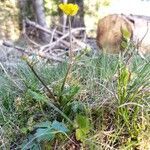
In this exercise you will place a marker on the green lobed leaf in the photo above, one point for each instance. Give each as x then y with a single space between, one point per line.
47 130
29 144
59 126
83 123
80 135
44 134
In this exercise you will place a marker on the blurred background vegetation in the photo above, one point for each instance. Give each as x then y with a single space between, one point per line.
12 12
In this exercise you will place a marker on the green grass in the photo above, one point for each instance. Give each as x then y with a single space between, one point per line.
105 104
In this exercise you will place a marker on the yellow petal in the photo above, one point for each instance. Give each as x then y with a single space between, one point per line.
69 9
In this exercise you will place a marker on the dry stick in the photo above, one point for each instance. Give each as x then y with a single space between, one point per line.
145 34
23 51
140 42
27 21
51 95
61 39
26 36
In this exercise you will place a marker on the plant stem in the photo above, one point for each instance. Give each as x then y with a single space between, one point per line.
70 60
70 35
51 95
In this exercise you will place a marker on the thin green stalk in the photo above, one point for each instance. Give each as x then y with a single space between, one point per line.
60 112
70 60
51 95
70 35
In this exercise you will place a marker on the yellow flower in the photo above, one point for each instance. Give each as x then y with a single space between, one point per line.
69 9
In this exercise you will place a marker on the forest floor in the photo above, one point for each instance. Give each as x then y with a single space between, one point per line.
103 103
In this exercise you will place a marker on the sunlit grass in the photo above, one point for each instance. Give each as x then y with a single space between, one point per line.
114 97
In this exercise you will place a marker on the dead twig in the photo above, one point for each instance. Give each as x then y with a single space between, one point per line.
140 42
62 38
54 34
28 52
27 21
26 36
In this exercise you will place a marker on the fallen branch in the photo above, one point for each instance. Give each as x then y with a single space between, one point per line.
26 36
62 38
81 44
52 33
58 39
27 21
40 54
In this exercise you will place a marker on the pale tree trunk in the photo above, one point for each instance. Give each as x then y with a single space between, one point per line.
22 6
40 18
26 9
